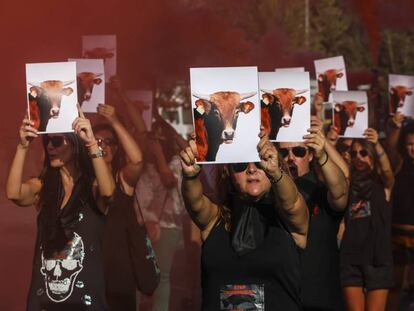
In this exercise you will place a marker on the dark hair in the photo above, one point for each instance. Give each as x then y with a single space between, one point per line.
54 224
370 148
225 187
405 131
118 160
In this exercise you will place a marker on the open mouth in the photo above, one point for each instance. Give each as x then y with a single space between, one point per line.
293 169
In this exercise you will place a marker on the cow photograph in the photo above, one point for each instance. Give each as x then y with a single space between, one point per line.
400 88
91 83
52 96
350 113
101 47
285 104
225 113
330 76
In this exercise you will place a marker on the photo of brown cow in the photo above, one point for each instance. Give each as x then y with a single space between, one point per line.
285 104
330 76
52 96
101 47
350 113
226 114
400 88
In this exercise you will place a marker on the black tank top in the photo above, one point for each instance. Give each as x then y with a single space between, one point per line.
267 278
119 276
72 279
403 195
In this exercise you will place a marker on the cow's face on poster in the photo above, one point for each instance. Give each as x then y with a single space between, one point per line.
61 270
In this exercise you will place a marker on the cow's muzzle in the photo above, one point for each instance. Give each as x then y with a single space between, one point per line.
54 112
228 136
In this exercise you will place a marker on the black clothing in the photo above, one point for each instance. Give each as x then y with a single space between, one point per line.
367 276
71 278
367 237
321 289
403 195
119 276
266 278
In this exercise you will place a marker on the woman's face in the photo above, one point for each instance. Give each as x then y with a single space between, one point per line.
108 144
252 181
409 145
360 158
344 148
59 149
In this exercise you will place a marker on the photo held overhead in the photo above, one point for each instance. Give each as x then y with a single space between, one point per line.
226 113
401 89
331 76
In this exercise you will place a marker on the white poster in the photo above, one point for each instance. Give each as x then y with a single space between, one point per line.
401 94
295 69
143 100
52 96
285 104
331 76
226 112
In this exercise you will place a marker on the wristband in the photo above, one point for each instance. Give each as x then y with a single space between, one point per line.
186 177
91 144
325 160
98 154
274 181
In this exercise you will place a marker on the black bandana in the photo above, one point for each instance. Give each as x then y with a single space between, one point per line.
362 184
250 221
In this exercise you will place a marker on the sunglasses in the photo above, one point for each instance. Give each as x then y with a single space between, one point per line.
107 141
56 141
343 148
241 167
363 153
297 151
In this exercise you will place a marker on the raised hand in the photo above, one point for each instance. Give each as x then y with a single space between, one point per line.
188 159
83 128
27 133
371 135
108 112
397 119
316 141
269 156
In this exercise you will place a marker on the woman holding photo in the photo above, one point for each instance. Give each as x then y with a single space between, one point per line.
72 195
253 237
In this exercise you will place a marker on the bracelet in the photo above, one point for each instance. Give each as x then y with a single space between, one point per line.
92 144
186 177
325 160
98 154
275 181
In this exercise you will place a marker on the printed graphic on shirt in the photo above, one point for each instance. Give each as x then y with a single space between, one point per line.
60 271
242 297
360 209
151 255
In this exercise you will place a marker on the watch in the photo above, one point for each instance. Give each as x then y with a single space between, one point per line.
98 154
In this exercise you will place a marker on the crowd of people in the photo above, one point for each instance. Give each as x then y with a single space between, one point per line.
324 224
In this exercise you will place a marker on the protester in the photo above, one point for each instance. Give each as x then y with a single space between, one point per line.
72 194
366 258
252 238
326 197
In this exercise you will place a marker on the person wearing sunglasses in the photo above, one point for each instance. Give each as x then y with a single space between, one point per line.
72 195
366 257
400 147
325 189
124 159
252 236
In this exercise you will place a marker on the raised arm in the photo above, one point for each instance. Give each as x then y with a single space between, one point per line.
128 174
23 193
104 179
333 176
394 131
291 205
386 173
202 211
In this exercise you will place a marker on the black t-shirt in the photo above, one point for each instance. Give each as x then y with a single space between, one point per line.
403 195
267 278
73 278
320 285
119 276
367 236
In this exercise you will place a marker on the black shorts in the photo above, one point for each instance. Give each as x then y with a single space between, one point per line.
368 276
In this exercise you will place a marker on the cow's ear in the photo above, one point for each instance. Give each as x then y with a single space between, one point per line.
409 93
320 78
35 91
338 107
203 106
67 91
97 81
392 90
360 108
300 100
340 75
246 107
